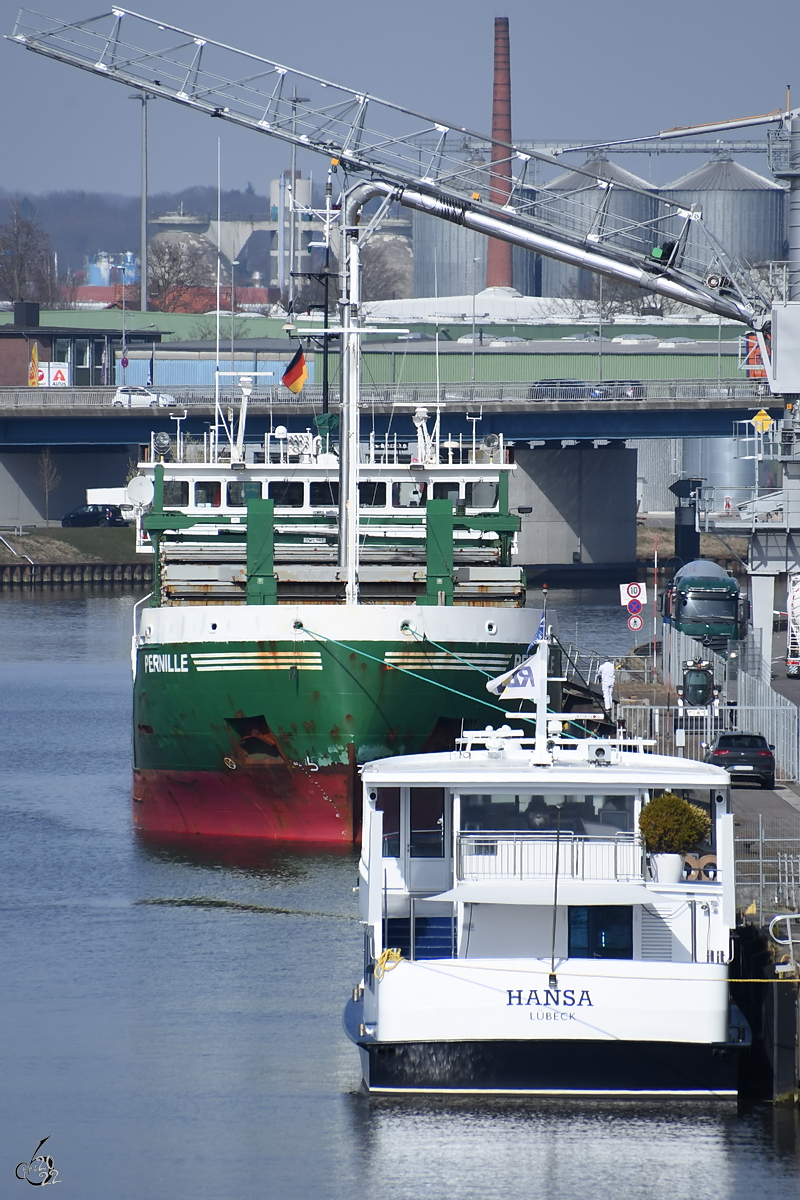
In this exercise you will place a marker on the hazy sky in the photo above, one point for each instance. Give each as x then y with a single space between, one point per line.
580 69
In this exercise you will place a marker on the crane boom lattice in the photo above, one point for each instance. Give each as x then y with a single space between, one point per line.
430 164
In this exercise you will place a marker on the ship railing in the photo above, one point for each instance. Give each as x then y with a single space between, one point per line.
492 856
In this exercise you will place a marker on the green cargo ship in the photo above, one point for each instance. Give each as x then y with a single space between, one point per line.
265 671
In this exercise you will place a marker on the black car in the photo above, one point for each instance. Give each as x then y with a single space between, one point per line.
745 755
568 389
94 514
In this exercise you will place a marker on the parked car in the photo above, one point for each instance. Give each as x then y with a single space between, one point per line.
744 755
568 389
94 514
130 396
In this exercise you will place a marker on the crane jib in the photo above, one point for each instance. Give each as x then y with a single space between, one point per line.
429 164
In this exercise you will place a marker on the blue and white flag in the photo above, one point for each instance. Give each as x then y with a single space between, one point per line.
541 633
517 684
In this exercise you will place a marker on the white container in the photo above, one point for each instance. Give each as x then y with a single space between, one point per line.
667 868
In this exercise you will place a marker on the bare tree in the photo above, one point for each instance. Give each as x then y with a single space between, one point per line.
26 264
387 268
48 479
175 268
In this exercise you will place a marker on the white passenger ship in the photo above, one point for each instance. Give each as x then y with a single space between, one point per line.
517 937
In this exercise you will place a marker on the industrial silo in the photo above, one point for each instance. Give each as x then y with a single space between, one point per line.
444 257
574 214
744 211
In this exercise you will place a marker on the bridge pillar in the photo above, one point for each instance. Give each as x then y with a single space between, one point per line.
22 500
583 500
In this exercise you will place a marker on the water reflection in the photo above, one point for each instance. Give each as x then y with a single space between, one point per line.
243 854
472 1148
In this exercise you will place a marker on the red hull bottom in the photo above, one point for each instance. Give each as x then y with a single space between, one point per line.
293 805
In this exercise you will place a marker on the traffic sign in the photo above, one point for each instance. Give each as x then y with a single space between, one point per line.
635 623
632 591
762 421
634 607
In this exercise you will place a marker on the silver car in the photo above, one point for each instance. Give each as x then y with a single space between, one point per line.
131 396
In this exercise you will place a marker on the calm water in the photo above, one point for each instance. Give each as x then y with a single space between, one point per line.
174 1046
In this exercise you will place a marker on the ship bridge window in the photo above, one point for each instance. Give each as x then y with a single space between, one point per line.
427 823
176 493
482 494
592 815
234 494
409 495
325 495
371 494
446 491
287 493
602 931
388 803
208 493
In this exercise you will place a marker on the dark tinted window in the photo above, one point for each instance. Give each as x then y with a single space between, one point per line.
235 495
481 495
742 741
325 495
427 823
176 493
208 494
446 491
389 804
372 495
602 931
287 493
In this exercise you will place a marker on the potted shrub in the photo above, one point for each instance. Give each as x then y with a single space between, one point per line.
671 826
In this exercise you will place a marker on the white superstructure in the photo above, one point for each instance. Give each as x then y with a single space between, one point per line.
541 952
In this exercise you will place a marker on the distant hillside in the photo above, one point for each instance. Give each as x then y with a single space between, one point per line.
82 223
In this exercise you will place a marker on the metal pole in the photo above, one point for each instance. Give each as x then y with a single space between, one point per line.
349 429
282 238
326 339
143 246
794 209
760 868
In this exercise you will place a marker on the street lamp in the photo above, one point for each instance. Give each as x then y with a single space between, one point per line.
143 97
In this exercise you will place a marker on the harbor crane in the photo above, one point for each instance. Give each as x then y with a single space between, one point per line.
392 153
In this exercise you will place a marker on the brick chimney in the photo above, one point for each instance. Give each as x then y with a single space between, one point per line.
498 257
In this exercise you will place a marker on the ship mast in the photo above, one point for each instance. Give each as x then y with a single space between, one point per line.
349 440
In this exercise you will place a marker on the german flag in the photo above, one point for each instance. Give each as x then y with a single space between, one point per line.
296 373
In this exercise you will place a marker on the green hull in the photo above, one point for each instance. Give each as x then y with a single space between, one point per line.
265 738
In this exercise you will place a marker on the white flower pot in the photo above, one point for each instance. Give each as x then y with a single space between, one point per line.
667 868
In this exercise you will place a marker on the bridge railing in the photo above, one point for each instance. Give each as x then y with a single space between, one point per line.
711 392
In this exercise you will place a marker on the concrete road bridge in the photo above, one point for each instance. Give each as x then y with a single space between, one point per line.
660 409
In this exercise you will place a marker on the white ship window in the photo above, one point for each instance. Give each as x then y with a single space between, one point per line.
482 494
176 493
371 494
208 493
601 931
325 495
287 493
409 495
594 815
234 494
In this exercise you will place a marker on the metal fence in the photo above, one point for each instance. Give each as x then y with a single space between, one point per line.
711 393
767 859
489 856
677 734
